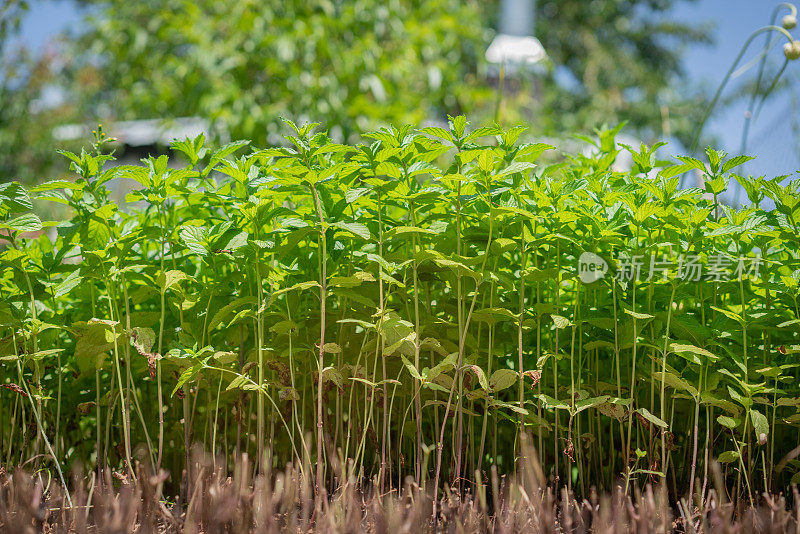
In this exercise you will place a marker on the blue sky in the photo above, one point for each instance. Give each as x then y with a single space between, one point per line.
772 139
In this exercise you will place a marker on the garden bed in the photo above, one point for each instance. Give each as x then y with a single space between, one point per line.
409 307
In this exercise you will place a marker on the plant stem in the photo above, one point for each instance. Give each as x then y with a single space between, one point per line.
323 290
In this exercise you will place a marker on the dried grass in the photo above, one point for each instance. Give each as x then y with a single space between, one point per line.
285 501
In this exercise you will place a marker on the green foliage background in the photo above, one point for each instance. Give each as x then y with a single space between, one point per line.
353 65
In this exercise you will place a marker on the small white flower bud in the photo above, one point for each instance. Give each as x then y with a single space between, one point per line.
789 22
792 50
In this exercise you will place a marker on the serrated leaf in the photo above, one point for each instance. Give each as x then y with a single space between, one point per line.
351 195
168 279
729 314
331 374
728 457
675 382
188 374
331 348
14 198
728 422
560 322
638 315
585 404
735 162
436 131
354 228
760 423
515 167
225 357
550 402
238 383
492 315
691 349
482 381
411 369
652 418
143 339
196 239
508 406
55 184
351 281
502 379
402 230
28 222
299 286
69 283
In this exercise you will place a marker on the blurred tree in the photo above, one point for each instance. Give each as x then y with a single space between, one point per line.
30 106
349 64
26 148
619 60
352 65
356 64
11 12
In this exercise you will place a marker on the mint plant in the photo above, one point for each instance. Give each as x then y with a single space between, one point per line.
417 305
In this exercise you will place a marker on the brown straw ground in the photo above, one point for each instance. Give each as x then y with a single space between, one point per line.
285 501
